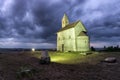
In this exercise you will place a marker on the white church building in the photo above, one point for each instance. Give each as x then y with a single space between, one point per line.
72 36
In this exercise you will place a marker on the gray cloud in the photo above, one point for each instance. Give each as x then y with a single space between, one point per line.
37 21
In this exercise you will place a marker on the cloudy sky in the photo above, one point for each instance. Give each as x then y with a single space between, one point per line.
34 23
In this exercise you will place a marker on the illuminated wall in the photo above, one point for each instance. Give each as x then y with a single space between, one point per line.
66 40
73 38
82 43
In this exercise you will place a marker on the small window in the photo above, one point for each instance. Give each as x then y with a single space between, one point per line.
69 37
59 38
63 38
85 41
66 22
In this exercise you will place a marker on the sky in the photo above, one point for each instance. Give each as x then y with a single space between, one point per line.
34 23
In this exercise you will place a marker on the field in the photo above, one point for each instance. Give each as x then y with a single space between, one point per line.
63 66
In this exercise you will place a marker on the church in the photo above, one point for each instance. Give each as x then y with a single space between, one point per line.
72 36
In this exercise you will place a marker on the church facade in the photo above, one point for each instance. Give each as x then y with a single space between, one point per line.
72 36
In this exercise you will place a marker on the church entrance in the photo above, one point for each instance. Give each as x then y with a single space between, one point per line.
62 47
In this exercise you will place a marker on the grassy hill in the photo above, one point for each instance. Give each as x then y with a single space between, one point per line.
64 66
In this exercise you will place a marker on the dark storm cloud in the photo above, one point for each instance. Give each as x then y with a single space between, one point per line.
102 21
37 21
107 28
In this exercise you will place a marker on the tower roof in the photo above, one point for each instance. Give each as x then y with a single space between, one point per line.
65 15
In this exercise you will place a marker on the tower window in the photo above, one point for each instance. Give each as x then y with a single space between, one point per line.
63 22
85 41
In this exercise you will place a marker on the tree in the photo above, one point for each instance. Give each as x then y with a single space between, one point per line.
104 48
92 48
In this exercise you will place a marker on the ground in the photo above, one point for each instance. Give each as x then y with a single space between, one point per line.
64 66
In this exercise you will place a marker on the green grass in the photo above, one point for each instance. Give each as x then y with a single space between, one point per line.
68 58
75 57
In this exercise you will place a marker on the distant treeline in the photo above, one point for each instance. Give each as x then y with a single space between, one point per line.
112 48
108 48
23 49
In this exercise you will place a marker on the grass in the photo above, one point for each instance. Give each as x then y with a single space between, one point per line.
65 66
76 58
69 57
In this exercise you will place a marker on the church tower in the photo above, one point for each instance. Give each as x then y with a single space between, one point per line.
65 21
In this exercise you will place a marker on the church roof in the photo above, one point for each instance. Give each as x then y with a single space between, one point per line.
69 26
83 33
